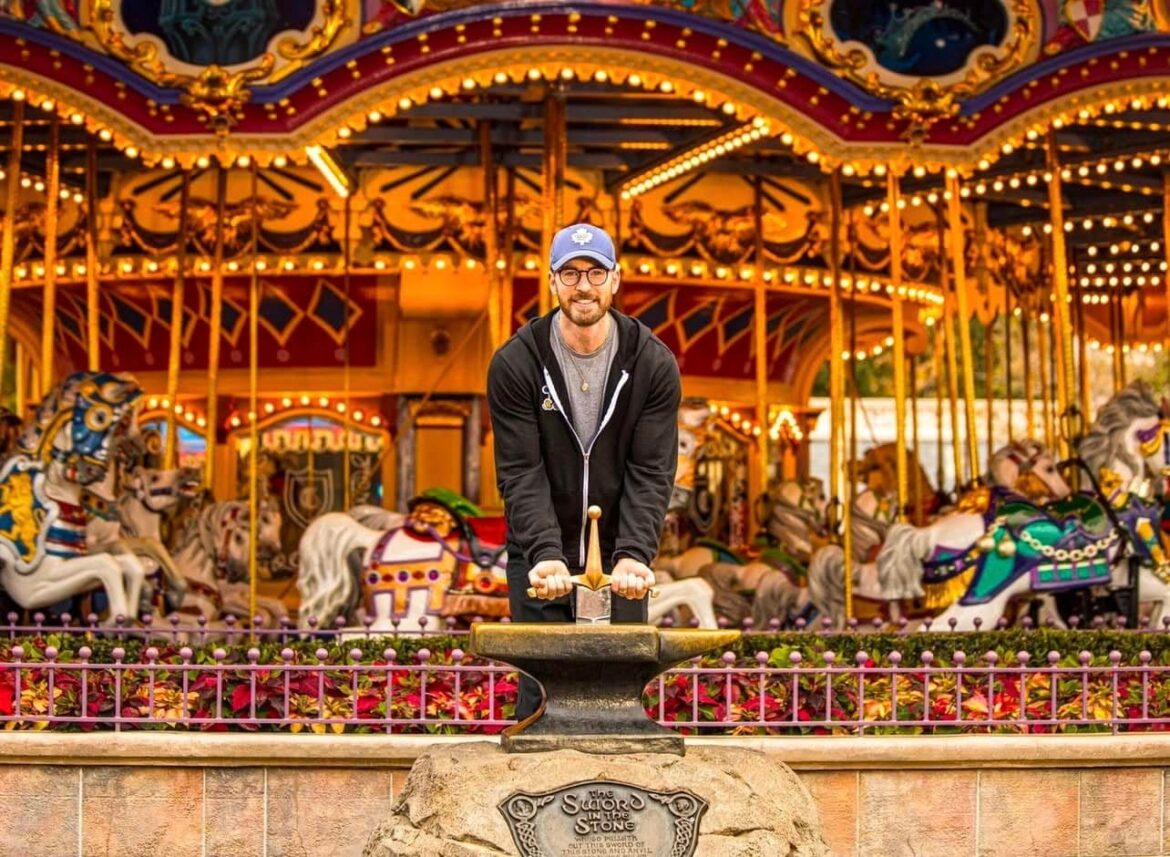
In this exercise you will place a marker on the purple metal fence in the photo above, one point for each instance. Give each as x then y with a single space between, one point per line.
274 686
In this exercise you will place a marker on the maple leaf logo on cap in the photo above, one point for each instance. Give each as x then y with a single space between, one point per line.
582 236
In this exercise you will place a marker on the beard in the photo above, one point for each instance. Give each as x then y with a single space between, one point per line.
586 313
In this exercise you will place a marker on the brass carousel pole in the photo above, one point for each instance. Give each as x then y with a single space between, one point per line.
948 339
254 408
989 328
20 393
1062 324
1029 394
1117 337
1084 377
52 215
1166 249
1007 361
837 384
553 174
760 337
221 177
8 243
1043 329
939 380
507 256
893 195
171 455
959 279
491 234
989 386
915 486
345 419
851 395
619 300
92 310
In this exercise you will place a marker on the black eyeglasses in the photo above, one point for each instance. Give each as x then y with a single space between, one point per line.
569 277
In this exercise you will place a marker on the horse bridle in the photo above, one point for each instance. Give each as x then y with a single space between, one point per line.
143 495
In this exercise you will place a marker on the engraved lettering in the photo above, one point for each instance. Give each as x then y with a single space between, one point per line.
604 819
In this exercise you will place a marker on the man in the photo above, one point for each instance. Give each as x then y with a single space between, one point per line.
584 405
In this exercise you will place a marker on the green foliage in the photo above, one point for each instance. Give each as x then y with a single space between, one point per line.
974 645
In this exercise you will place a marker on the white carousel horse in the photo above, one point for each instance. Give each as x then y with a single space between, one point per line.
874 510
212 556
762 589
135 527
756 590
407 573
1015 548
70 445
793 513
693 560
1026 467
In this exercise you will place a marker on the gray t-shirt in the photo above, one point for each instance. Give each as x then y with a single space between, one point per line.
585 377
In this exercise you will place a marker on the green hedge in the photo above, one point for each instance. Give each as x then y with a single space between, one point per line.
779 646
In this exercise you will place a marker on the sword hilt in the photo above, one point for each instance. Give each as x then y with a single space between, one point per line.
593 577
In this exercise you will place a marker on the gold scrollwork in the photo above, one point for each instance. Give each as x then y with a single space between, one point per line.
923 100
321 36
217 92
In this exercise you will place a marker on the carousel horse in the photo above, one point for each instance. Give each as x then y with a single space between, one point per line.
977 561
71 444
771 586
759 590
709 495
438 562
878 471
133 523
1022 466
690 562
1028 468
874 510
793 513
213 553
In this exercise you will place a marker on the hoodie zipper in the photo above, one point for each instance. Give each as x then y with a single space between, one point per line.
586 452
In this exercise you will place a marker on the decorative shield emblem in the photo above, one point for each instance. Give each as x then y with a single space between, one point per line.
604 817
1084 16
305 498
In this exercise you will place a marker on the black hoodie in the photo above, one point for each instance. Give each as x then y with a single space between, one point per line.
548 477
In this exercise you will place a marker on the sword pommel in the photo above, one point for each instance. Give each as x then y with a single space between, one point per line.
593 577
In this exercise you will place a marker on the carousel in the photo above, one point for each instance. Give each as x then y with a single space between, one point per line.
911 258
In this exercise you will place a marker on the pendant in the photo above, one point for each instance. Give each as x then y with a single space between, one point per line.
584 386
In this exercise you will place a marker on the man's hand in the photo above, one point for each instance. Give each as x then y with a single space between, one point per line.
631 579
550 579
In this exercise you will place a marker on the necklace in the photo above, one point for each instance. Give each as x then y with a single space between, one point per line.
585 386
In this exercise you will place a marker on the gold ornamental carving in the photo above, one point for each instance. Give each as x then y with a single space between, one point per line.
924 99
218 92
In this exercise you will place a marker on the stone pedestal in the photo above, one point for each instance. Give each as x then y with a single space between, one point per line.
450 806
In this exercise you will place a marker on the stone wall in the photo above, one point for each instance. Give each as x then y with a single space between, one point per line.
235 795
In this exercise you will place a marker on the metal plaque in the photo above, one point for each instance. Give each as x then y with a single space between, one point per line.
603 818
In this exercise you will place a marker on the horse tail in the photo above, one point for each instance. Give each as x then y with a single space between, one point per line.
899 562
325 582
826 581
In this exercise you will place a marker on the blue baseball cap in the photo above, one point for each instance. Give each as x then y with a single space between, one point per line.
582 240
